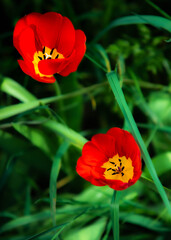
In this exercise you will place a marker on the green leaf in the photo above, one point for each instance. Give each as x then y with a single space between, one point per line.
149 183
104 55
95 229
21 221
156 21
47 231
38 137
14 89
162 164
145 222
115 86
15 109
53 178
68 134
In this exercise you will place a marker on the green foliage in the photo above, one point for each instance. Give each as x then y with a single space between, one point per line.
43 129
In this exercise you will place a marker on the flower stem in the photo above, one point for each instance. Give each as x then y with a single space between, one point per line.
115 214
114 83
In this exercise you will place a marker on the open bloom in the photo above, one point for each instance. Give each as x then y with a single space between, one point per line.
48 44
112 159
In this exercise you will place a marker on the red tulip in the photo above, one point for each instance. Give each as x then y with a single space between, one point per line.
48 44
111 159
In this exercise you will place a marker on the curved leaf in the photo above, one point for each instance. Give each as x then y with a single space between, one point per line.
156 21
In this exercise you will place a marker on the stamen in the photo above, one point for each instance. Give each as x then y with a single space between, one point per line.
57 56
113 163
123 168
44 57
51 51
108 169
120 164
115 173
40 58
113 170
43 50
119 160
49 58
122 174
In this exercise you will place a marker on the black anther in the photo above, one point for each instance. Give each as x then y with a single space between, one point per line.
123 168
113 163
40 58
57 56
108 169
43 50
122 174
44 57
51 51
115 173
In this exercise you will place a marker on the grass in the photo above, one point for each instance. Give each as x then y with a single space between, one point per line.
43 127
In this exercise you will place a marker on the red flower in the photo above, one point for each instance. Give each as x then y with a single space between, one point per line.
49 44
112 159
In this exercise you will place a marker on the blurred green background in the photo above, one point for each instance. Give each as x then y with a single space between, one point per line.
31 140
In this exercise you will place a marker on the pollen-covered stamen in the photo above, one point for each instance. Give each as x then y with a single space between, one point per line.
43 50
51 51
118 168
45 54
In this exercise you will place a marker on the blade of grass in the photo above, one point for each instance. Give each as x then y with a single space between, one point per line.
47 231
152 126
158 9
109 226
95 62
53 179
14 89
149 183
144 221
115 86
70 135
15 109
104 55
155 21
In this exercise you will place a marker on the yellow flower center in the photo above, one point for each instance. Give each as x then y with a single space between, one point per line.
119 168
45 54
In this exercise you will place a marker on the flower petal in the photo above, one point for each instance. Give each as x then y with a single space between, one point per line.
27 43
80 49
88 173
48 28
66 42
117 185
97 152
52 66
29 70
125 143
105 143
28 20
92 156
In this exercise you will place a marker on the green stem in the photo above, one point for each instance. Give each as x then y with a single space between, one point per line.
114 83
53 179
115 214
57 88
